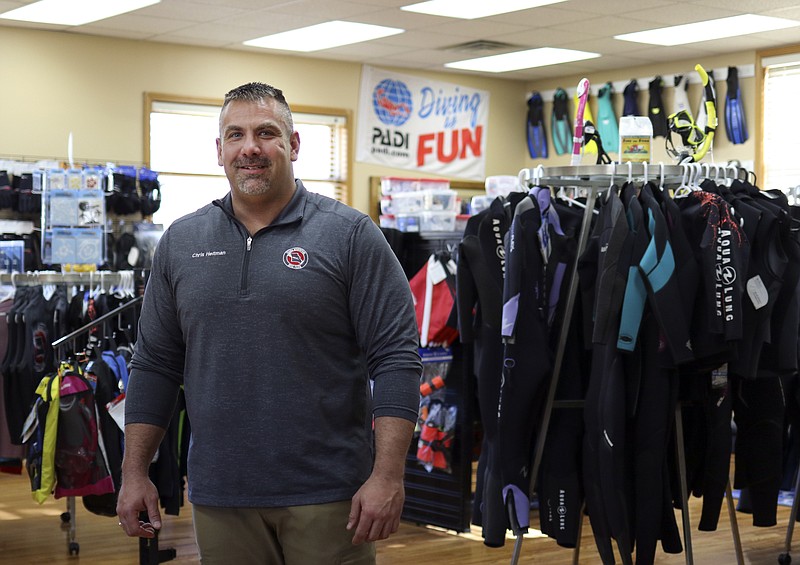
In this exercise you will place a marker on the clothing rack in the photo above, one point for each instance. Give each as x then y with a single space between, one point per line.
103 278
149 552
595 179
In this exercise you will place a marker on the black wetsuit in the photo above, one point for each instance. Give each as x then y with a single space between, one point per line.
603 271
527 361
479 300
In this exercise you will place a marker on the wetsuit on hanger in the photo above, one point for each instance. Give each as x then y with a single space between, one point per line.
527 361
603 271
559 485
479 300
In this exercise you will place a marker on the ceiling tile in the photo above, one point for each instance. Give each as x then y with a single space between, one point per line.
143 26
748 6
669 16
417 40
608 25
189 10
542 17
402 19
241 4
792 13
475 29
328 10
588 25
214 32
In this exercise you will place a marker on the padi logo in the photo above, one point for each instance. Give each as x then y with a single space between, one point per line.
208 254
295 258
391 101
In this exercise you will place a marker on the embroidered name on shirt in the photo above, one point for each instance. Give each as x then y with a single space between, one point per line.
208 254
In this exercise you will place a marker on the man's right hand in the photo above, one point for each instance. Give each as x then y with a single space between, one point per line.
138 494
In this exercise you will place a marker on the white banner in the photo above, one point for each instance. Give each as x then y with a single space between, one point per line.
422 125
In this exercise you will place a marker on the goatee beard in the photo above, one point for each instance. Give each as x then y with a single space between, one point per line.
254 186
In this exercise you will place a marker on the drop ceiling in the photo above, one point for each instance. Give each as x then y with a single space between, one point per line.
430 41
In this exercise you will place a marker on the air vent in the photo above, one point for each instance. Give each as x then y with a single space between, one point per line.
480 46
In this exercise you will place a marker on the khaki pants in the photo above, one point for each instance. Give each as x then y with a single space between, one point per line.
295 535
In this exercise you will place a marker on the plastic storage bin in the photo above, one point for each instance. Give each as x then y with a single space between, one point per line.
408 202
440 200
387 206
480 203
501 185
395 185
437 221
387 221
408 222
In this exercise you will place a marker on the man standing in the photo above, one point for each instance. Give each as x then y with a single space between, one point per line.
274 308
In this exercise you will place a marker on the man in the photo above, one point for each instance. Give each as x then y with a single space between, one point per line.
274 307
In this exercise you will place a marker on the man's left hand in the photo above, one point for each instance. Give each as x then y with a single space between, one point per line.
375 510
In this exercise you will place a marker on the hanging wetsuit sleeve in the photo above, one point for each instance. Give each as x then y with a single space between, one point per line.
466 296
158 360
382 312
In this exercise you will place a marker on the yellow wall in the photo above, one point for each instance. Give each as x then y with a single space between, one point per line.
723 150
56 83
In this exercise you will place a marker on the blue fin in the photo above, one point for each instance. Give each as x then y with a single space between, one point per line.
735 123
537 136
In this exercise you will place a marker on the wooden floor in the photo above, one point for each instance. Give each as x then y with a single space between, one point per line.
32 534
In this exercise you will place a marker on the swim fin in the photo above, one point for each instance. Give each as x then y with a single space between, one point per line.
590 147
562 131
537 136
735 123
681 98
607 126
655 108
631 95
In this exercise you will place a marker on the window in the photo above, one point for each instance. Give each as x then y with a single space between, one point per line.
779 166
180 144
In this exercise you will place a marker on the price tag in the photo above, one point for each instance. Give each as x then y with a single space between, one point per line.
757 292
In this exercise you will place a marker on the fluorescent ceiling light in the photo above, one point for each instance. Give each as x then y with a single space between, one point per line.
323 36
472 9
529 59
708 30
74 12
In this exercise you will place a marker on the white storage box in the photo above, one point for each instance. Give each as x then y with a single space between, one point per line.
408 222
408 202
437 221
480 203
387 206
388 221
394 185
440 200
501 185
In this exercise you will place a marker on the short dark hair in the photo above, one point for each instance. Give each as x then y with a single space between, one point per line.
255 91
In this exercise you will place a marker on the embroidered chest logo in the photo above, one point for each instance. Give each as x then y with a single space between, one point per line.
295 258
